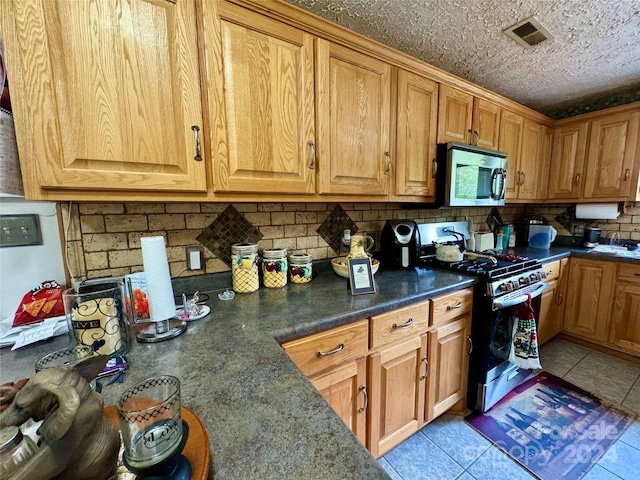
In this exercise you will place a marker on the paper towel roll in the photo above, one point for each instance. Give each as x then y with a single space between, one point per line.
597 211
162 305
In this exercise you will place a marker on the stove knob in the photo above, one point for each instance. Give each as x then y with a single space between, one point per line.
523 281
534 277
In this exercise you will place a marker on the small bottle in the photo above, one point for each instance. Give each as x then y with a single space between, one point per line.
499 241
300 268
244 267
274 267
15 450
512 240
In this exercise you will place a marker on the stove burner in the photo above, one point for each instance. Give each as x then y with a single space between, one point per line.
485 268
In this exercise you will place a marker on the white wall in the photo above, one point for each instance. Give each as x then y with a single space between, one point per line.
22 268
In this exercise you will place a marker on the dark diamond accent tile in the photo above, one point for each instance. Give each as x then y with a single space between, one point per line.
334 225
230 227
569 221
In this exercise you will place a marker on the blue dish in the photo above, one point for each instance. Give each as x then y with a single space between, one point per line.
632 247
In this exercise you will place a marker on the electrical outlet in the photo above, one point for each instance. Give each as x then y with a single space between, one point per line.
19 230
195 254
376 240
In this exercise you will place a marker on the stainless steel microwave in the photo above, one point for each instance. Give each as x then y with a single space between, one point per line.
470 176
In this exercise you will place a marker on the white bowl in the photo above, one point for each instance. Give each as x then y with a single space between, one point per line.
341 266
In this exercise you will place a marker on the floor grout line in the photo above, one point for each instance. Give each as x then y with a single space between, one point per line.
633 384
577 363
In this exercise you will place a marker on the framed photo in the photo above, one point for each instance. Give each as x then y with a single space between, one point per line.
360 276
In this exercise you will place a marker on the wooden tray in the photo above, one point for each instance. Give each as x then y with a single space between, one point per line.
196 450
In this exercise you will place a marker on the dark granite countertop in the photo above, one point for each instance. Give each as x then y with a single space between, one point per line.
263 417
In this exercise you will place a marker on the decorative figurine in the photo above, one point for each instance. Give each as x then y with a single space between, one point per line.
77 441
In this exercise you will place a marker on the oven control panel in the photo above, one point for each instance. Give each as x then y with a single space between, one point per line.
515 282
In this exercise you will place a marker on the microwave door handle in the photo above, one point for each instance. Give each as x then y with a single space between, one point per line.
512 302
503 174
494 176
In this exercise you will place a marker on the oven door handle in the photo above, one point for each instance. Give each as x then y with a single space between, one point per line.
510 302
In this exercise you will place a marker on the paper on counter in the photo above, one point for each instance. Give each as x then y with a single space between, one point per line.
28 334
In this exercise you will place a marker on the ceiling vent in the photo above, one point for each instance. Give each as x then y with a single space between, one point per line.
528 32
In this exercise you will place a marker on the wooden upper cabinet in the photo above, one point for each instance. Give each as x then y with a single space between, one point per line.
263 136
543 169
511 127
416 135
455 112
105 98
532 160
611 156
567 161
486 124
353 99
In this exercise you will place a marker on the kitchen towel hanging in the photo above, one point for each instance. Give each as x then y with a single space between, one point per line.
524 348
156 269
597 211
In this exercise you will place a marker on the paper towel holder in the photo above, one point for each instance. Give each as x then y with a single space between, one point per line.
162 330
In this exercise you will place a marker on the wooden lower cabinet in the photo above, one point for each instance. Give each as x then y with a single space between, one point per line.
449 348
552 302
397 380
624 331
588 298
345 389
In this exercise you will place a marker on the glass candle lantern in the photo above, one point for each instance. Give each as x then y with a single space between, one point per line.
98 319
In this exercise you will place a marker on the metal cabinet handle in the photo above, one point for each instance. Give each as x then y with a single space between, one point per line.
196 136
454 307
476 137
577 179
560 300
523 177
470 136
386 154
637 274
312 155
408 323
363 389
426 372
435 168
470 346
626 175
332 352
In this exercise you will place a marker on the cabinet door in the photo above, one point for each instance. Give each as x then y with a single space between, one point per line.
531 159
353 119
511 126
263 132
344 388
449 349
567 161
105 98
589 298
612 145
625 325
455 111
397 377
486 124
546 316
416 135
545 163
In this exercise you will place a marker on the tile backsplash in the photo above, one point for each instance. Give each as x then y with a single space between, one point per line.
104 238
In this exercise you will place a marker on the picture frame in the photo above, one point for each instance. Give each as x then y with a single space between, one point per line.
361 276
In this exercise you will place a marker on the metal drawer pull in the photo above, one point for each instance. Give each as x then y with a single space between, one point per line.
470 346
312 160
435 168
386 154
637 274
324 354
454 307
363 389
408 323
426 372
196 136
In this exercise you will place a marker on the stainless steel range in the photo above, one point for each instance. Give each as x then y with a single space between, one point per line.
504 281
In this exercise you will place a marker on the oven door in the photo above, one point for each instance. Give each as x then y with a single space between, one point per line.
497 375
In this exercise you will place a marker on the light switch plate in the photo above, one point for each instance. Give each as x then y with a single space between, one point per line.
20 230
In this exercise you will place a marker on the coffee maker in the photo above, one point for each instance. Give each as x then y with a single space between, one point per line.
591 237
522 228
399 244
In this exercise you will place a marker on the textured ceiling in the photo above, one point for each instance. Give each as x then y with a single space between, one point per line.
594 55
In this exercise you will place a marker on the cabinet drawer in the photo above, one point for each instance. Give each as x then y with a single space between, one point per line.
629 272
552 269
397 324
324 350
448 307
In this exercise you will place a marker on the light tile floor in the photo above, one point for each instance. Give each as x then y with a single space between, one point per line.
448 448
